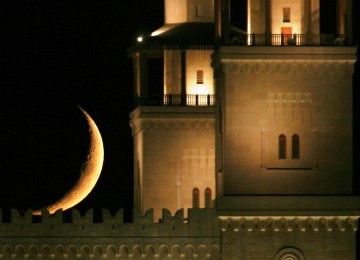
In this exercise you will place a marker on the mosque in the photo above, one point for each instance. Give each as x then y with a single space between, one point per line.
243 142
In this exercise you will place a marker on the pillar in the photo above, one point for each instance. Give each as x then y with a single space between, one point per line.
183 77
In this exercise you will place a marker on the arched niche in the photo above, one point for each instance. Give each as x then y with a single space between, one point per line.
289 253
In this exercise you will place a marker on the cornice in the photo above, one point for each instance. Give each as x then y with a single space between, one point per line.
173 118
285 53
289 224
330 67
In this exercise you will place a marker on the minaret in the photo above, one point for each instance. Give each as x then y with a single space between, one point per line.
174 119
284 131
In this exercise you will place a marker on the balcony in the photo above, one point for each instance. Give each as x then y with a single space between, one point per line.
178 100
290 40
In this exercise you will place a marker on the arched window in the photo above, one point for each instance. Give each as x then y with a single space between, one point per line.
207 198
196 198
295 146
282 146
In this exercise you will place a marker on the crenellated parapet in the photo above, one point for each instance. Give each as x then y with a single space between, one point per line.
84 225
79 236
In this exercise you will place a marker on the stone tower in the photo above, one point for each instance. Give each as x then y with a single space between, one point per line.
174 122
262 110
285 103
284 129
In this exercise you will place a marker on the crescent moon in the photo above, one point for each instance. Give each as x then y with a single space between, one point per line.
89 174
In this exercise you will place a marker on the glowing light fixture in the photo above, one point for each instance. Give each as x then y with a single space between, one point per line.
201 89
140 39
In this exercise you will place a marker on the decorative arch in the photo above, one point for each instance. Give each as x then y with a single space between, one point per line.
295 146
336 224
283 224
163 251
45 251
33 251
208 195
72 251
85 251
195 198
350 224
137 251
111 251
124 251
98 251
149 251
323 224
20 251
7 251
282 146
59 251
289 253
189 251
215 252
201 251
175 251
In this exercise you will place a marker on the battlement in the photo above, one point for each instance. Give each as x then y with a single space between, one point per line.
200 222
25 235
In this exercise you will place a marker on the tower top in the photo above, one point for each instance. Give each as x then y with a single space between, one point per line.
184 11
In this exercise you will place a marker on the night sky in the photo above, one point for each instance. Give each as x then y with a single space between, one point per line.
55 56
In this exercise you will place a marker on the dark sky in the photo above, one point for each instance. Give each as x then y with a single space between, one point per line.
56 55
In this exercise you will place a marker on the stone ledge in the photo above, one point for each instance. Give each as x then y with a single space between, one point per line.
289 205
283 53
288 224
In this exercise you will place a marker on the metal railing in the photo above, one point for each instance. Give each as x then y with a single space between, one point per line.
290 40
178 100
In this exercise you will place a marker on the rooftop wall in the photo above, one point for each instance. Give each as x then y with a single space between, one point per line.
200 222
79 237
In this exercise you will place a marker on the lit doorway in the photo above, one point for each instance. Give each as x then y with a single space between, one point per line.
286 33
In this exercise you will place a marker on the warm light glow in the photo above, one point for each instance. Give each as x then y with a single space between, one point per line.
89 173
200 89
295 18
140 39
199 80
163 29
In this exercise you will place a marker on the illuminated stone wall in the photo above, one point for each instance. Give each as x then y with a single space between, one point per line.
295 237
268 92
295 15
174 153
81 238
304 16
182 11
203 235
195 60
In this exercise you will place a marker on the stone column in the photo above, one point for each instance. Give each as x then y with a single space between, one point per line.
307 14
225 21
268 21
143 77
349 22
222 22
183 77
218 23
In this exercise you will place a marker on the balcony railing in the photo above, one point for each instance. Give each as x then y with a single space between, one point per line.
178 100
290 40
